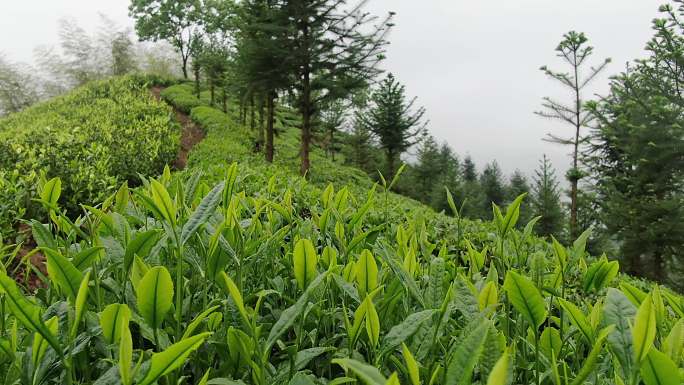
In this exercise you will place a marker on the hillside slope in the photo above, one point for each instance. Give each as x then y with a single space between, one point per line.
93 138
264 277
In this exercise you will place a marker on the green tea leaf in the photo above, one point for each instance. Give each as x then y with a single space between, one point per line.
411 365
401 332
305 260
140 245
113 319
644 329
578 319
165 206
51 191
526 298
464 357
63 273
28 313
80 304
619 311
203 212
370 375
366 273
155 295
40 345
289 315
499 374
658 369
172 358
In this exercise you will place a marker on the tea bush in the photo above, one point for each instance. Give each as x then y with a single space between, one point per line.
287 283
252 275
92 138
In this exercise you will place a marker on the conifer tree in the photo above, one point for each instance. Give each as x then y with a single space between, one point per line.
426 170
333 118
517 186
470 194
637 158
575 51
546 201
493 189
334 49
262 60
448 176
360 149
469 171
393 121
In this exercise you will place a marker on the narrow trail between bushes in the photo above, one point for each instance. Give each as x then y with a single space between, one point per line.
191 134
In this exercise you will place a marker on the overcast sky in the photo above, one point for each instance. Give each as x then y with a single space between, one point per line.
473 64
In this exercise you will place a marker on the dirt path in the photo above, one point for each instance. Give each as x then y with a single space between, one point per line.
190 133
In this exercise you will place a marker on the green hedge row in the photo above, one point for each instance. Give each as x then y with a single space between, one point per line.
93 138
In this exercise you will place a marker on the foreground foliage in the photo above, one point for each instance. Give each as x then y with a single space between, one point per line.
292 284
93 139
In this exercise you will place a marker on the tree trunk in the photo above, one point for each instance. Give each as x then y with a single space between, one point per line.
306 137
225 99
390 165
261 137
332 145
197 81
573 209
270 107
211 91
305 105
252 119
185 66
575 172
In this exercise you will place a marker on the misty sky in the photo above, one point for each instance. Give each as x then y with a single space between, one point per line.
473 64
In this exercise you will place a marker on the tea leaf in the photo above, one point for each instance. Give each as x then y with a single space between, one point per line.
155 295
202 213
63 273
658 369
526 298
113 319
172 358
305 260
464 357
644 329
368 374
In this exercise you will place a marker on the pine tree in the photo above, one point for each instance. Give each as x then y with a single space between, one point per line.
469 171
334 50
517 186
426 170
546 201
573 49
333 118
448 176
470 193
637 156
363 153
393 121
493 189
262 61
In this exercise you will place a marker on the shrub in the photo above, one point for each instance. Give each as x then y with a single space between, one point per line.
92 138
182 97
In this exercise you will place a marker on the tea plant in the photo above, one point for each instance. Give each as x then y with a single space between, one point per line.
93 138
264 279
